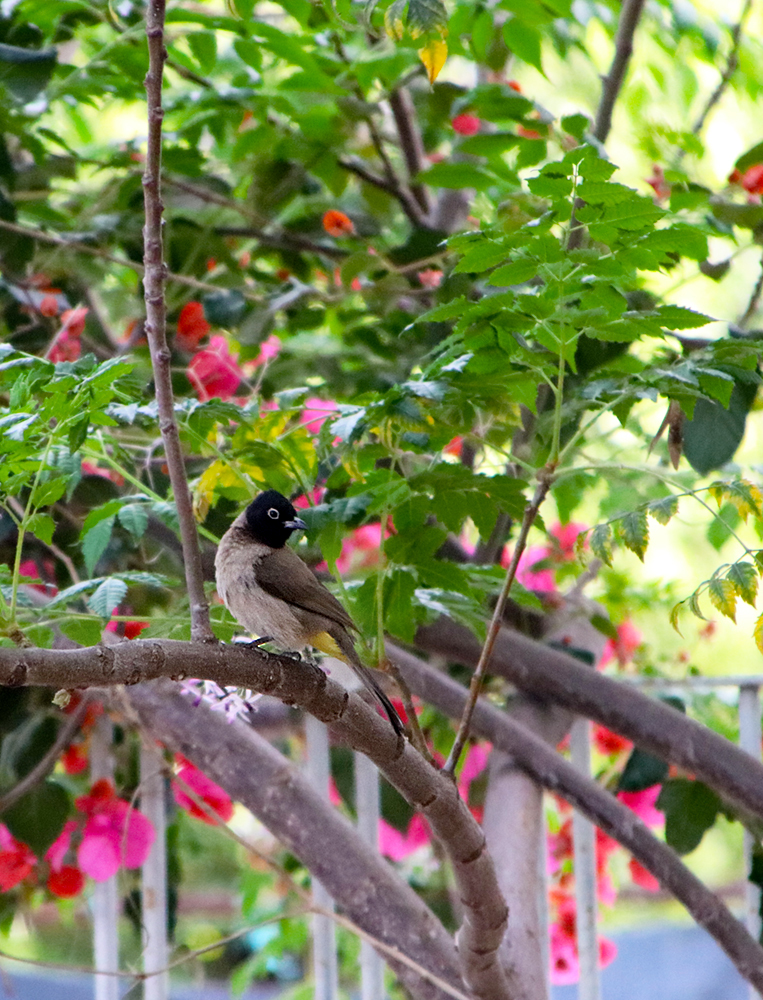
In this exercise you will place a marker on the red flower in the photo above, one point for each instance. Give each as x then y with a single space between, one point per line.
528 133
67 882
337 223
192 326
16 860
49 306
466 124
629 638
74 758
214 371
215 797
657 181
133 629
67 346
610 743
515 86
752 179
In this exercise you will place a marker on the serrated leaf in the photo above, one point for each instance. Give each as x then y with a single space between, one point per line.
694 607
723 597
514 273
134 517
84 631
663 510
42 526
601 543
49 492
108 596
744 578
758 633
675 613
634 530
679 318
524 41
95 542
425 16
393 19
479 258
744 495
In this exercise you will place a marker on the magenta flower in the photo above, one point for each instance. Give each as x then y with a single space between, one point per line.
215 797
396 845
315 412
629 638
114 833
214 371
643 804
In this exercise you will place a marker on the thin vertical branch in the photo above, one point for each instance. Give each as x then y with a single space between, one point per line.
156 324
410 142
752 305
545 479
731 65
613 81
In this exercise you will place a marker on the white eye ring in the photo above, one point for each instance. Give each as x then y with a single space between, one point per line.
273 513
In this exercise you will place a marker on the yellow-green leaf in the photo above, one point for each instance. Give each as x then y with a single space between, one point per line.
433 55
694 606
393 20
723 597
758 633
675 613
635 532
744 579
601 543
663 510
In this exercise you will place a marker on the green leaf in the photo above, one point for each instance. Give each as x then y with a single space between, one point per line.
399 605
38 817
42 526
663 510
723 597
524 41
744 578
224 308
425 16
634 530
108 596
203 45
25 72
679 318
714 433
601 543
690 810
457 176
95 542
514 273
85 631
49 492
642 771
134 517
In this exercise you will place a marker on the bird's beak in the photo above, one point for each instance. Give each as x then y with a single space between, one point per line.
296 525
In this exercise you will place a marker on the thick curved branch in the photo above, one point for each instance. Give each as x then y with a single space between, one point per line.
156 324
353 721
654 726
551 771
365 887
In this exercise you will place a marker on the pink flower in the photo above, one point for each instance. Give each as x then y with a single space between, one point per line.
642 877
114 834
629 638
360 549
56 853
643 804
215 797
67 346
268 350
466 124
396 845
315 412
541 579
566 536
16 860
214 371
44 570
607 952
565 968
430 278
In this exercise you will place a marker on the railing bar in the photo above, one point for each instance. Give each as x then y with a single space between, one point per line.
105 902
324 932
750 740
367 803
732 680
153 804
584 840
544 916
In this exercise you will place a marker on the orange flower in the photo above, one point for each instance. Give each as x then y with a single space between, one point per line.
337 223
192 326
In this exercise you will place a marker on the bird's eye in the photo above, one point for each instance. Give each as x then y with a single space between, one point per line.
273 513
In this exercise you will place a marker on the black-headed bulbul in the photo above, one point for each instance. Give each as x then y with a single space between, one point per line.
274 595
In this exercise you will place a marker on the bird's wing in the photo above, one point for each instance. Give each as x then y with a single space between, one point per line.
283 574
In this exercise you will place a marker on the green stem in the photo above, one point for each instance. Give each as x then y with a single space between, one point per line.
22 529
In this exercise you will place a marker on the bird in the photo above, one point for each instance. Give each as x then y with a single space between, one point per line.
271 592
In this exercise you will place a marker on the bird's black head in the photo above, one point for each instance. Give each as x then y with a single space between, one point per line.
271 518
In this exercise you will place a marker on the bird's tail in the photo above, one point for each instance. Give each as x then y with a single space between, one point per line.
342 648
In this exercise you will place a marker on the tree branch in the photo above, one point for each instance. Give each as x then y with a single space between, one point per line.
156 324
355 722
263 780
551 771
410 142
731 65
531 512
45 764
630 13
559 678
391 185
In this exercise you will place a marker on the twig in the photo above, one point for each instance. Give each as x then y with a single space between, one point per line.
50 546
731 64
46 763
282 241
77 247
392 186
545 479
752 305
410 142
156 325
613 81
611 84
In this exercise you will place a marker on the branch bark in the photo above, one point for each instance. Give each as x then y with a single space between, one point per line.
630 13
551 771
410 143
556 677
156 324
353 721
362 884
